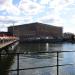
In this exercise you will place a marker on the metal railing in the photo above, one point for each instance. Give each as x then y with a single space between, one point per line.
57 60
7 39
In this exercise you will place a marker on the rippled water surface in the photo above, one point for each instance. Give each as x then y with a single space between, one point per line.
29 60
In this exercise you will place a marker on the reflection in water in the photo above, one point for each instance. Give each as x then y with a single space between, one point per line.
5 63
47 47
29 59
37 47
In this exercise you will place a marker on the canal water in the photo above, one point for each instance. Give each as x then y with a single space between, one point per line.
29 60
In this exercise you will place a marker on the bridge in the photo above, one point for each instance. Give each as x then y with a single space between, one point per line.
6 44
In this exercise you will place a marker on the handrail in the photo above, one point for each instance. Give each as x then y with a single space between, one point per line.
57 65
38 52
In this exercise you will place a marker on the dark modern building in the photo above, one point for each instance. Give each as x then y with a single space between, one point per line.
36 31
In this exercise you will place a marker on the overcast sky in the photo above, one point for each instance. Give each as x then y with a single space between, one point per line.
53 12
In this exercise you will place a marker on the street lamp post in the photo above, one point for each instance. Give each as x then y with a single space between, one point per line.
13 29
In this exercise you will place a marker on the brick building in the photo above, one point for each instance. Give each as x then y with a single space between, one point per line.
36 31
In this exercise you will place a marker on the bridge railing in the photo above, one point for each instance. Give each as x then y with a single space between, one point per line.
32 68
7 39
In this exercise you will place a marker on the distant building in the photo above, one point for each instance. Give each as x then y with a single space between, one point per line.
5 34
36 31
